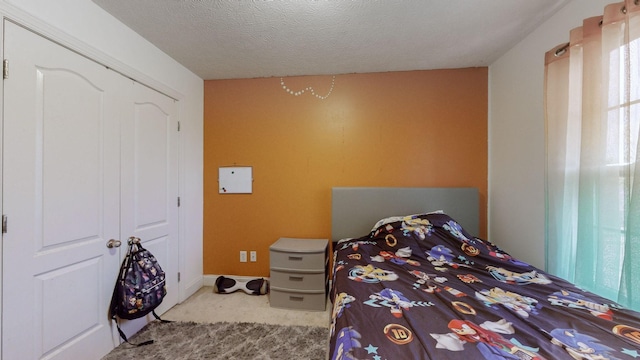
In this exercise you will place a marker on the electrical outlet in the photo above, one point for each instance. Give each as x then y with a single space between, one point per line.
243 256
253 256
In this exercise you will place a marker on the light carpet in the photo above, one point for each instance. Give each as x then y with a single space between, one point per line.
224 340
205 306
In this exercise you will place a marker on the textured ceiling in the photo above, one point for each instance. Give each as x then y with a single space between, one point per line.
223 39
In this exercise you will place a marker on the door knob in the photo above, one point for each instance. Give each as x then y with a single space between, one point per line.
113 243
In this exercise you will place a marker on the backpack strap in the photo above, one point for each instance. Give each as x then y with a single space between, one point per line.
158 317
124 337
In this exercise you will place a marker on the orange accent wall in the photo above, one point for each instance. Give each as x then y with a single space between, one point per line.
415 128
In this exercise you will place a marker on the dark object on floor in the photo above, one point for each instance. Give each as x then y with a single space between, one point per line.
225 285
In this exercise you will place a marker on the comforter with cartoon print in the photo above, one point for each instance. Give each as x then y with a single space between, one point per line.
421 287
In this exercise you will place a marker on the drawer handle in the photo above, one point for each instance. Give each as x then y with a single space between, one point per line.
295 258
296 278
296 298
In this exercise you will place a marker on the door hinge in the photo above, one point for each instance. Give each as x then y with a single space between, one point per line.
178 201
4 224
178 125
5 69
178 276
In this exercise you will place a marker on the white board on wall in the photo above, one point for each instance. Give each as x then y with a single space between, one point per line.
235 180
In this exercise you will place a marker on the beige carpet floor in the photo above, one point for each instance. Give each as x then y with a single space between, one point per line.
205 306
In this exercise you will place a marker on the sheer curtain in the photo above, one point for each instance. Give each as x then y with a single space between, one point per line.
592 106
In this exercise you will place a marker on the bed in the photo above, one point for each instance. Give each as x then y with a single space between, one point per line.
411 281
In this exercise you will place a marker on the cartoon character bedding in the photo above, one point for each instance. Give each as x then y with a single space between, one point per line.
421 287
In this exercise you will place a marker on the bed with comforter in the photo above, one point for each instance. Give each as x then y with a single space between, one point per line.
422 287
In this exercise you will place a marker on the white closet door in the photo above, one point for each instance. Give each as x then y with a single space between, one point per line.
150 184
61 190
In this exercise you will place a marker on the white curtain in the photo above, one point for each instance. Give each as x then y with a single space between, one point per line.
592 103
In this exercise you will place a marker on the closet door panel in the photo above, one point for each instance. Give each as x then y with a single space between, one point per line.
70 105
61 197
150 184
151 166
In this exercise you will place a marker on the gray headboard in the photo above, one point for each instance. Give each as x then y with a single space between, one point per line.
354 210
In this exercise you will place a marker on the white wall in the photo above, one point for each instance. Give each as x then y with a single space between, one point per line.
517 135
83 26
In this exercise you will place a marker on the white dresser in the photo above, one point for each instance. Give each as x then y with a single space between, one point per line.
299 273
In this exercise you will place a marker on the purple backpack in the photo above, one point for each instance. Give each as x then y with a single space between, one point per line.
140 286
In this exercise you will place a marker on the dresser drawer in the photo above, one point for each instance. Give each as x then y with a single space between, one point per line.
299 254
297 261
298 280
282 298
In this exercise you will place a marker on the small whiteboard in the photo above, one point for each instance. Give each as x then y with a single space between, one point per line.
235 180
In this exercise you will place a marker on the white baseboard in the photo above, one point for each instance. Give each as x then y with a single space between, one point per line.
210 280
190 289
